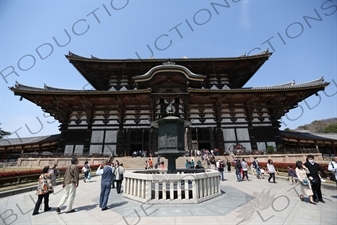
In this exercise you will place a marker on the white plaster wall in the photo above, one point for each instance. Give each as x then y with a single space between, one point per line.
68 150
111 136
261 146
79 149
242 134
229 134
97 136
95 149
109 149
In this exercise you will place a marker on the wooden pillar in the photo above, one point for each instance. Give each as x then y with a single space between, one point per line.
62 141
3 156
333 148
211 135
87 140
299 145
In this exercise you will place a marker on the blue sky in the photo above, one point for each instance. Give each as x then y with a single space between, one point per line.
34 42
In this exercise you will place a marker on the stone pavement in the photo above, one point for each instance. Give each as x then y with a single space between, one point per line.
248 202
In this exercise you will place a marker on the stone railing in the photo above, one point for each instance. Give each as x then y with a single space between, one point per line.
163 188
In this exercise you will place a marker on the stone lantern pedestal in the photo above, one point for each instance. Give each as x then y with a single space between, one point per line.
171 139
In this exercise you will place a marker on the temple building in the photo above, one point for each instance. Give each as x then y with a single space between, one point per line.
128 94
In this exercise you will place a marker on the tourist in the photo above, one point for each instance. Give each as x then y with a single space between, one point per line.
119 173
228 166
244 166
263 171
252 169
238 168
221 167
44 188
212 162
70 183
271 170
106 173
199 164
187 164
54 172
113 175
192 164
256 166
150 163
301 172
314 177
333 167
291 175
86 170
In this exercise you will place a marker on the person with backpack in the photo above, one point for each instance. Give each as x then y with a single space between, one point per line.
238 168
44 188
221 167
333 167
256 166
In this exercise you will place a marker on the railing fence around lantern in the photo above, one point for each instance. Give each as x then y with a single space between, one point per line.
163 188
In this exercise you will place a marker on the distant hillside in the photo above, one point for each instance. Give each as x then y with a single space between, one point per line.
321 126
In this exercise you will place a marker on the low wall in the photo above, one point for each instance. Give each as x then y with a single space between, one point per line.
280 157
138 162
162 188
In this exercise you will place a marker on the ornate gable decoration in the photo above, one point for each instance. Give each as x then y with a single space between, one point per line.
170 72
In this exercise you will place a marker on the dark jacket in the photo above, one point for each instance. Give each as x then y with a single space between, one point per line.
314 169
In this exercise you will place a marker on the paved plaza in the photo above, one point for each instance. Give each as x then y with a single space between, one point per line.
248 202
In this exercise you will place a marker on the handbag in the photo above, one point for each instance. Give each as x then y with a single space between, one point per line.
89 175
314 181
305 182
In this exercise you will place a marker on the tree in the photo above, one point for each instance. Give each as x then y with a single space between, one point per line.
4 133
332 128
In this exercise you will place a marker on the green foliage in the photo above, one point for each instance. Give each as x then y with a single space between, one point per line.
304 127
270 149
287 129
332 128
4 133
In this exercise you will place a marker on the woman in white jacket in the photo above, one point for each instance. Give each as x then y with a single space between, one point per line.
301 172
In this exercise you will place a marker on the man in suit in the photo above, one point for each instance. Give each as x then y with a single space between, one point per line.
314 169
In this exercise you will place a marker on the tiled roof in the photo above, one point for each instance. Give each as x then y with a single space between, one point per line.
48 89
244 56
304 135
29 140
291 85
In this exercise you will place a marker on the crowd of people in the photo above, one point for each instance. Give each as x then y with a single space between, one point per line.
111 177
309 174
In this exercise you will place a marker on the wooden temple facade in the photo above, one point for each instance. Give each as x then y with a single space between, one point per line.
115 116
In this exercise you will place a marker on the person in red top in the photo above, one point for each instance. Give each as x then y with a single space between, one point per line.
150 164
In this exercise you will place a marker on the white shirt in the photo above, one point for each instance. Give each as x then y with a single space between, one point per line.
271 168
333 168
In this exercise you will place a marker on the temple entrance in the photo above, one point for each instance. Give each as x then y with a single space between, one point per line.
205 146
135 150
